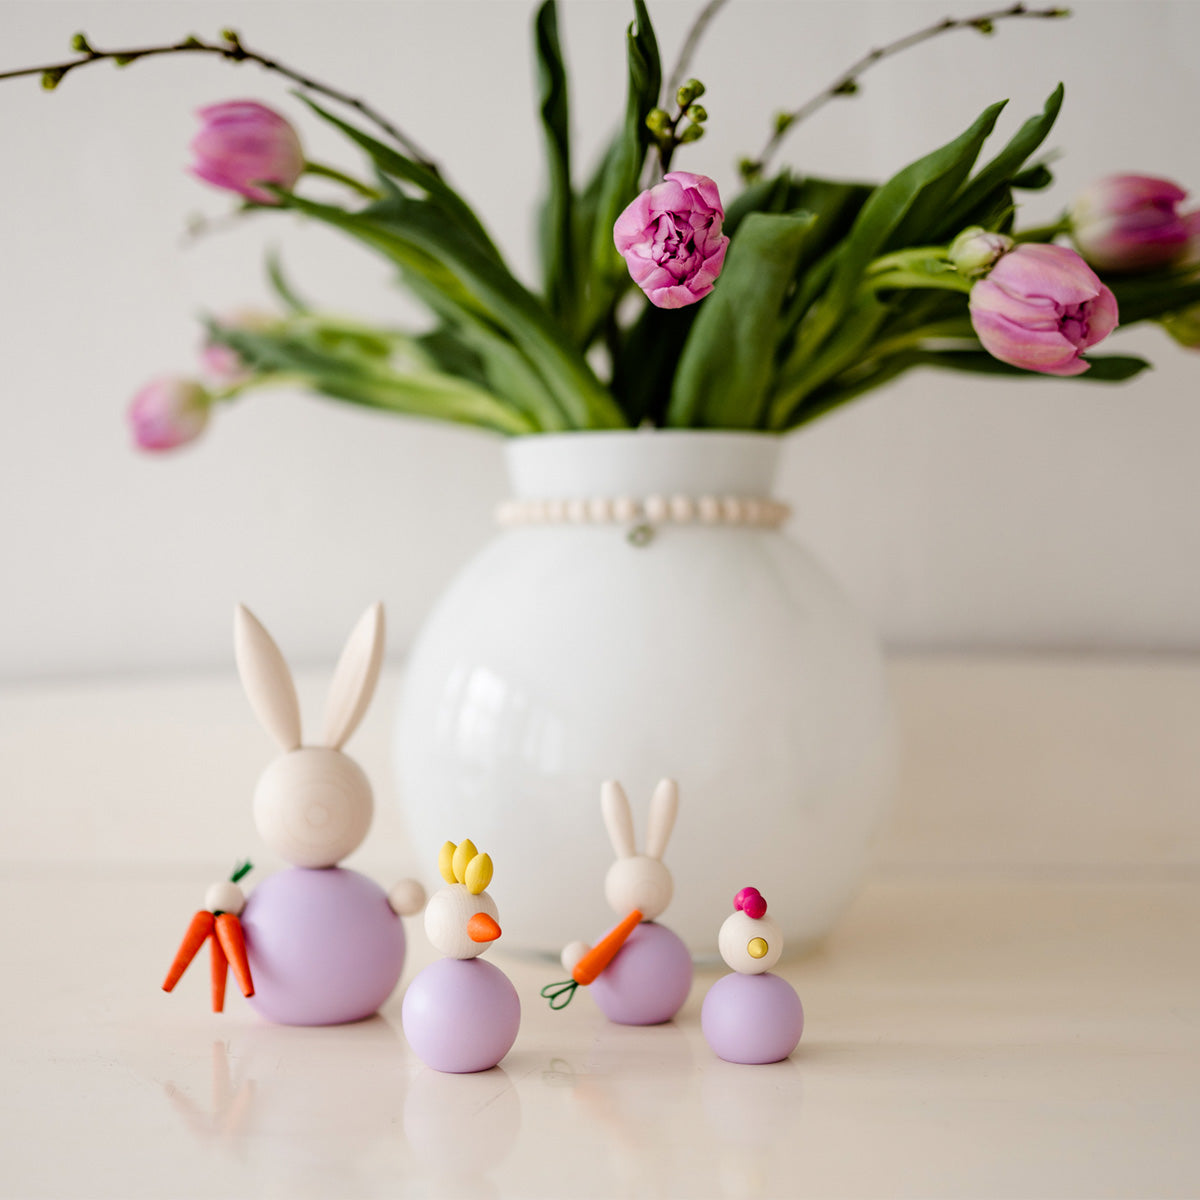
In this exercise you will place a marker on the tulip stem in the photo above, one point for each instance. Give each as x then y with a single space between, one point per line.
846 84
355 185
232 50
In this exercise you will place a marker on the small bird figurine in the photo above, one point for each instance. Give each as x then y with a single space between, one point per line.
640 973
315 944
461 1014
751 1016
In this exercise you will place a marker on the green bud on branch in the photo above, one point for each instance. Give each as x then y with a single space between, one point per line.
846 88
783 121
697 114
123 60
693 133
231 36
658 121
79 43
51 79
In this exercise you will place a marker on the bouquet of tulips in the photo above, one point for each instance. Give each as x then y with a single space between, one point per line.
760 313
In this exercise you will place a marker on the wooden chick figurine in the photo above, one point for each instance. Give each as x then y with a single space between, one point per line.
461 1014
325 945
751 1016
640 973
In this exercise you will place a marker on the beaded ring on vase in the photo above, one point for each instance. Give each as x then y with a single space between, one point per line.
643 514
751 1016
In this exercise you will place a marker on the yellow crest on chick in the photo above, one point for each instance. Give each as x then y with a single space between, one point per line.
464 864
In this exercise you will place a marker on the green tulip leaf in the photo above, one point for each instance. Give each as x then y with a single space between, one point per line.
725 369
557 225
992 184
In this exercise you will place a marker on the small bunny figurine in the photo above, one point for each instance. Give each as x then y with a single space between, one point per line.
751 1016
640 973
461 1014
325 945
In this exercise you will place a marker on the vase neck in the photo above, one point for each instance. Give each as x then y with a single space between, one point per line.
642 463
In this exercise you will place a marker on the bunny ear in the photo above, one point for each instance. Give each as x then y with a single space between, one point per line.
266 678
618 818
354 678
663 808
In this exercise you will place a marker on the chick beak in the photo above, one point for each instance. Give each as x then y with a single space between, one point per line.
482 928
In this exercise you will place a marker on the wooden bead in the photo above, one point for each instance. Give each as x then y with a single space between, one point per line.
407 898
656 508
625 509
599 509
225 897
683 509
709 509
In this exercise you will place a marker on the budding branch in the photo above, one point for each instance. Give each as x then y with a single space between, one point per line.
846 84
232 50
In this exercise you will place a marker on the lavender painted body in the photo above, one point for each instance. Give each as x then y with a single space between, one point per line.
461 1015
648 980
752 1018
324 946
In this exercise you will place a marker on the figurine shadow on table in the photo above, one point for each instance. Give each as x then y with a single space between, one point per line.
461 1014
315 944
640 972
751 1016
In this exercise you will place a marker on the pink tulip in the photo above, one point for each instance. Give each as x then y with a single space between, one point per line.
243 144
1130 223
168 412
670 237
1040 307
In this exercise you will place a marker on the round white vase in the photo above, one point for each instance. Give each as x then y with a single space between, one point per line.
720 655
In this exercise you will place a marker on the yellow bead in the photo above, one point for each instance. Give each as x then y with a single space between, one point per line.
478 874
756 948
446 862
463 855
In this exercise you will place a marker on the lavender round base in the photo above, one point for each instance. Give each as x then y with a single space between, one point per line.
648 980
461 1015
752 1018
324 946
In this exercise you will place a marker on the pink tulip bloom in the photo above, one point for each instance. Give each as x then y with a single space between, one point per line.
168 412
242 144
1130 223
670 237
1040 307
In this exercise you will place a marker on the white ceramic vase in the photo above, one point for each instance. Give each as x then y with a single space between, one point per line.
721 655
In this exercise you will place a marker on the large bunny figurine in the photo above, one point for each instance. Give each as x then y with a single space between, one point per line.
325 945
640 973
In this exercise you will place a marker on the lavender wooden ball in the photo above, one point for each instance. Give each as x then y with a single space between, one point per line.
752 1018
648 980
461 1015
324 946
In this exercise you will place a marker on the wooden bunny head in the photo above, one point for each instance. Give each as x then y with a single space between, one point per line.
636 880
313 804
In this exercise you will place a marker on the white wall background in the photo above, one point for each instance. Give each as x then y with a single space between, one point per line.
958 513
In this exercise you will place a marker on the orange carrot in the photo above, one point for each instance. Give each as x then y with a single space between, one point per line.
220 968
601 954
197 932
229 931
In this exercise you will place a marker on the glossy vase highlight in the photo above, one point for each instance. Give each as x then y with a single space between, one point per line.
711 650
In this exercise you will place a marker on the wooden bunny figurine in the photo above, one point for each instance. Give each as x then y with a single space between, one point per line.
324 944
640 973
461 1014
751 1016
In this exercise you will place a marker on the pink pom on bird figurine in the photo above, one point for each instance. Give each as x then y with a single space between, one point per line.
640 972
315 944
461 1014
751 1016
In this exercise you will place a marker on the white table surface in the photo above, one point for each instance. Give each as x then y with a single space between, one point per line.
1010 1008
